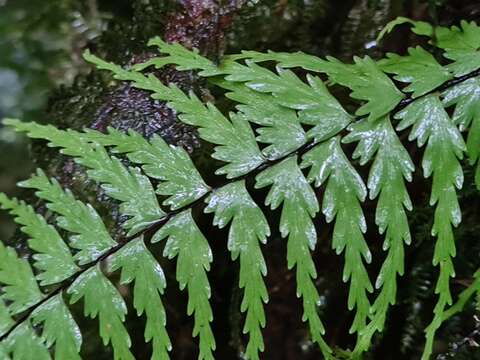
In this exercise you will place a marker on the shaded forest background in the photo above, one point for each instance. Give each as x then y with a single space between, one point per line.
43 78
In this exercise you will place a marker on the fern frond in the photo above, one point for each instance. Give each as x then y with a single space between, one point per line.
6 320
139 265
289 186
249 226
3 352
187 243
102 299
59 328
53 259
293 118
235 138
91 237
191 59
343 193
464 297
445 146
24 344
127 185
19 289
419 27
391 166
461 45
180 180
279 127
419 69
316 106
466 98
363 77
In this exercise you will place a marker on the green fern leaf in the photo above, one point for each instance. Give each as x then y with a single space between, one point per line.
127 185
343 194
368 83
419 27
315 105
139 265
103 300
390 167
235 139
19 287
191 59
419 69
5 319
279 127
91 237
461 45
180 180
59 328
289 186
53 259
445 146
318 107
3 352
466 98
24 344
364 78
187 243
232 203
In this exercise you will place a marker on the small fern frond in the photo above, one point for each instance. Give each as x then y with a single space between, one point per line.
24 344
20 289
187 243
249 226
91 237
102 299
235 138
445 146
343 193
466 98
363 77
279 127
59 328
461 45
180 180
367 82
138 264
289 186
419 27
6 320
472 290
315 105
419 69
191 58
391 165
127 185
53 259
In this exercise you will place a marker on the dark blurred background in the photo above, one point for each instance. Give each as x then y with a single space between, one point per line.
43 78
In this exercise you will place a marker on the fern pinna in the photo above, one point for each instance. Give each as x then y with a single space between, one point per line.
301 128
